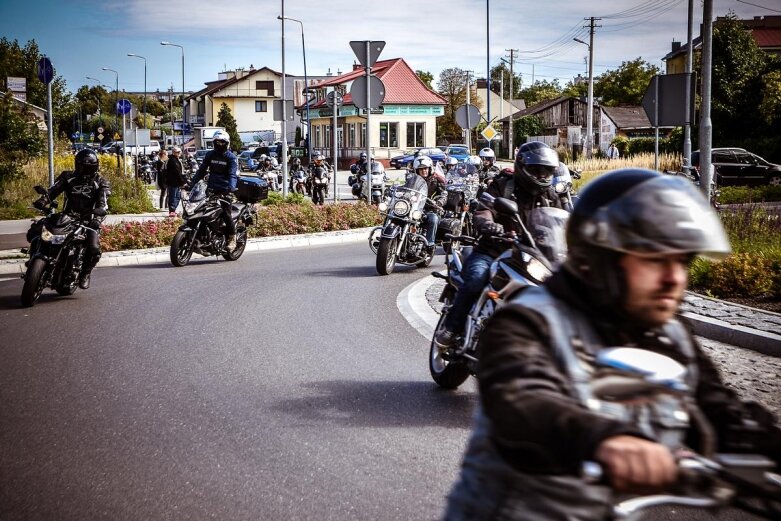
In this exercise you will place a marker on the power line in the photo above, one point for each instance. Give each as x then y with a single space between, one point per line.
757 5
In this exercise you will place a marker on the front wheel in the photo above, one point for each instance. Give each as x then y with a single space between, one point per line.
386 256
67 289
774 180
426 260
181 249
448 375
33 282
241 244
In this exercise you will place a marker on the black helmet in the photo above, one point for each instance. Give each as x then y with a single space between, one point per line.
363 156
535 166
87 163
638 211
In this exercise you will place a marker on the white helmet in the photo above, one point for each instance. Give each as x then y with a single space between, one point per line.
221 135
451 161
487 155
473 160
422 162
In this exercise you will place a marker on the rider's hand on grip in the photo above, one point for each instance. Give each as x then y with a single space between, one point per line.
637 465
491 228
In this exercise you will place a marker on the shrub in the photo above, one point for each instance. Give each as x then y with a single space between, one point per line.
745 194
741 275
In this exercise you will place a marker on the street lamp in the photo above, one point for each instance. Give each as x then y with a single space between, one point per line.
143 58
183 109
116 96
284 108
306 86
590 114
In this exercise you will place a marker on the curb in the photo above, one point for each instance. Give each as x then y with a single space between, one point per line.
162 255
415 308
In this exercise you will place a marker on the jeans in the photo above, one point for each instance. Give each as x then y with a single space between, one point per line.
475 274
163 199
174 194
430 223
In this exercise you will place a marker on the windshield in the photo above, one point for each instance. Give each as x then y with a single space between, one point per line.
461 151
547 227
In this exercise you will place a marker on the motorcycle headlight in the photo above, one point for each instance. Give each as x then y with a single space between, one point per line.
538 270
560 188
401 208
46 235
417 214
383 207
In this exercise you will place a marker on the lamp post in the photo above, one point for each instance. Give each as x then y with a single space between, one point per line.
143 58
116 96
284 108
306 86
590 114
183 109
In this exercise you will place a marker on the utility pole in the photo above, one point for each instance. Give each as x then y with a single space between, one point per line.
512 61
706 125
590 115
687 128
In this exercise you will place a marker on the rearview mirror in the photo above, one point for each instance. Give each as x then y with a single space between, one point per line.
39 189
630 372
505 206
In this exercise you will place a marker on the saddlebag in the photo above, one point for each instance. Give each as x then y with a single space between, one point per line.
251 189
448 225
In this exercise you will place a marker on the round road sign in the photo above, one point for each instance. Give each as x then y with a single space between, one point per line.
45 70
100 130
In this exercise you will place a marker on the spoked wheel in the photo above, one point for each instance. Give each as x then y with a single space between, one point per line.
67 289
374 239
386 256
33 282
448 375
181 249
241 244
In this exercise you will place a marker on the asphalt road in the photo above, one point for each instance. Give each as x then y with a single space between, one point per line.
286 385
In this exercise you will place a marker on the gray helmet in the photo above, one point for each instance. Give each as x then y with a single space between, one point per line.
535 166
642 212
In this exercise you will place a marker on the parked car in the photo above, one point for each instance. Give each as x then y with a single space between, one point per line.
246 162
112 147
738 167
434 153
394 161
460 152
200 154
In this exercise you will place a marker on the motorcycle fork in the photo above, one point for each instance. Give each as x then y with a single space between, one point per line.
402 237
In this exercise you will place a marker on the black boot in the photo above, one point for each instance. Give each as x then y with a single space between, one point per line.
84 278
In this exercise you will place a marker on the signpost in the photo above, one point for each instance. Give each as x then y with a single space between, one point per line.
124 107
367 53
664 103
334 99
46 75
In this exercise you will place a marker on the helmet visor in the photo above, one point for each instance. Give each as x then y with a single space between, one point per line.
665 215
542 174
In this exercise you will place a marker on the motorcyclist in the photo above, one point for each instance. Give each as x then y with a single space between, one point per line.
85 190
423 166
295 166
530 187
222 166
488 168
450 164
268 166
631 238
318 161
358 168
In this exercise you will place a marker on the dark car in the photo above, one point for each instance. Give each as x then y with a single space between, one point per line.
738 167
246 162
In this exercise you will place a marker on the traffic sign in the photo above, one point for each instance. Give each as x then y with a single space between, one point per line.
329 99
124 106
75 136
467 116
45 70
664 100
100 130
116 136
376 91
489 133
290 110
359 48
100 137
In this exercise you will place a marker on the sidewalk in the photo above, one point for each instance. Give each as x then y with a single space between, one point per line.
719 320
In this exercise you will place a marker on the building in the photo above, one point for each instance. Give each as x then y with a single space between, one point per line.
250 95
406 118
629 122
501 109
766 31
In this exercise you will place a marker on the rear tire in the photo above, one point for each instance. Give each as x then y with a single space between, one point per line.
448 375
33 282
181 249
386 256
774 180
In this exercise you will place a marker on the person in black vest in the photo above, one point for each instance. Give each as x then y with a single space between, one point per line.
162 183
222 166
175 179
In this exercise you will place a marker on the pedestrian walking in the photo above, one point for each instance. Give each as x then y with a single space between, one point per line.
612 152
162 183
175 180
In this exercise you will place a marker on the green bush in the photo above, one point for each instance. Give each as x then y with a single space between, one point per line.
746 194
741 275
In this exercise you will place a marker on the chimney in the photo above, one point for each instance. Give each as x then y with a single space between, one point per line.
357 66
329 72
482 83
676 46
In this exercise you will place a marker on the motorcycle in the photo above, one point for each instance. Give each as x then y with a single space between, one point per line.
56 254
562 183
401 238
531 259
319 178
272 176
145 170
693 174
461 203
378 179
298 182
637 379
203 231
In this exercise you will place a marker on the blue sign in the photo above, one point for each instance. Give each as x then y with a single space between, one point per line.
123 107
45 70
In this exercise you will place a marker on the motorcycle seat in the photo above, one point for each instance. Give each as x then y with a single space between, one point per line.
236 209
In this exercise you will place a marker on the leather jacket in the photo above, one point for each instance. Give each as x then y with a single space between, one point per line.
82 194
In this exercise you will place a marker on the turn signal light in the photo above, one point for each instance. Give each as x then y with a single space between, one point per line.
494 295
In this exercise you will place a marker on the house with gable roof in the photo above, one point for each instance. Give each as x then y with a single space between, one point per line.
407 117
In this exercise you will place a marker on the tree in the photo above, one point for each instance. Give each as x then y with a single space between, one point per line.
452 87
225 119
625 85
527 126
20 139
503 71
23 62
540 91
426 77
576 88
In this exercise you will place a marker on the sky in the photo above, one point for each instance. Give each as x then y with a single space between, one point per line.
83 36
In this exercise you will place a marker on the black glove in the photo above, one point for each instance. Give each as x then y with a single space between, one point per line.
491 228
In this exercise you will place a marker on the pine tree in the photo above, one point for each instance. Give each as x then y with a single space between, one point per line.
225 119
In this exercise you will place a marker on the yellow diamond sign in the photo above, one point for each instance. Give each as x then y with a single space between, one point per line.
489 133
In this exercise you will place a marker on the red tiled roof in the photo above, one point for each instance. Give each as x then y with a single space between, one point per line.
767 37
402 85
